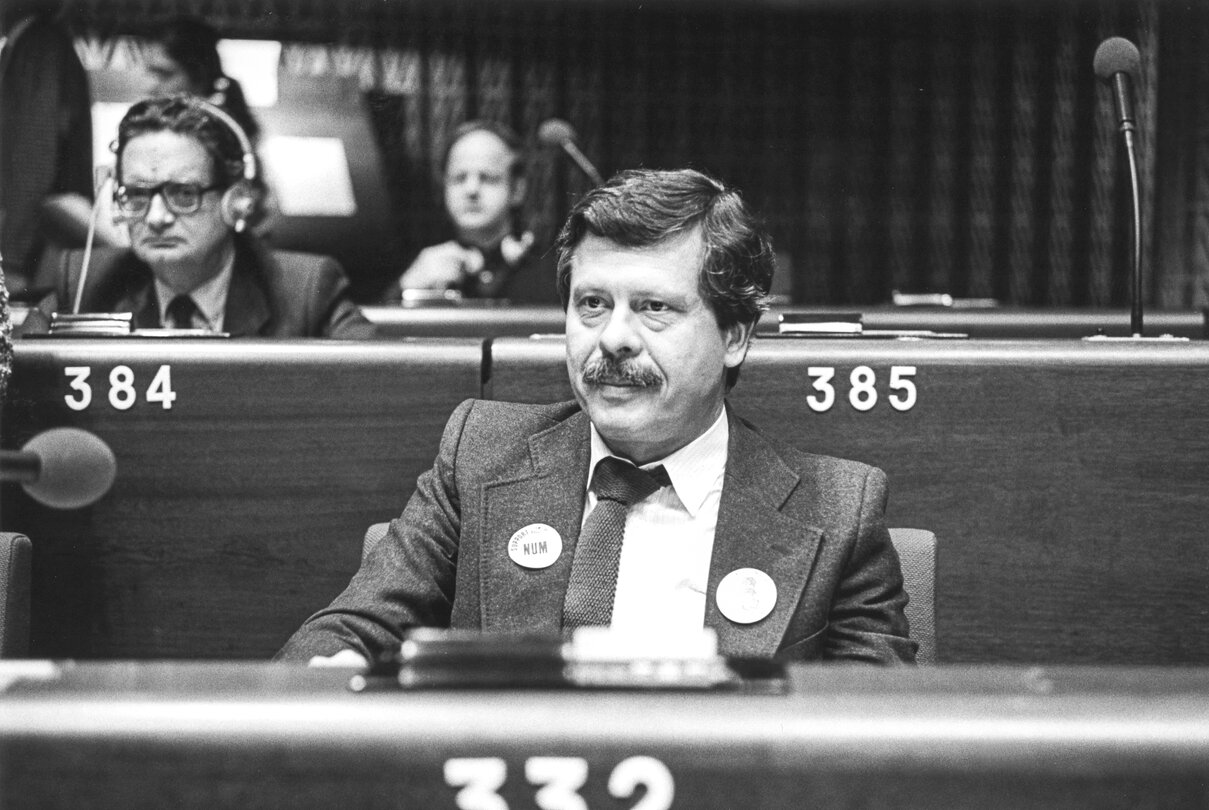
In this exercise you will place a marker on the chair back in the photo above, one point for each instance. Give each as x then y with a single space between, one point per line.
917 557
15 552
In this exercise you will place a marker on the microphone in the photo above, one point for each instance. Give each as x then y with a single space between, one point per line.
557 132
63 468
106 177
1117 62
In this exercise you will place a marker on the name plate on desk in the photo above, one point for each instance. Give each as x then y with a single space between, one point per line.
594 658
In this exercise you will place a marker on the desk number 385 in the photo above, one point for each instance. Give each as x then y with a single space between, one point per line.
122 393
862 393
558 781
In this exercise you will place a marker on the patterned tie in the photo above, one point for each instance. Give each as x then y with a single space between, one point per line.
180 312
593 584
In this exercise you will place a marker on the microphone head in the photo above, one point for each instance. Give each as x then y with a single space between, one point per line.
555 132
1117 55
77 468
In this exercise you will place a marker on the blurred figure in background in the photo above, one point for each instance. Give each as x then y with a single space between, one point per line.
45 134
492 255
182 57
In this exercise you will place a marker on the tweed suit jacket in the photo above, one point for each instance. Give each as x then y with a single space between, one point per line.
273 293
813 523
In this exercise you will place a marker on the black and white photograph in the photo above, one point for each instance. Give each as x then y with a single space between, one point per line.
604 404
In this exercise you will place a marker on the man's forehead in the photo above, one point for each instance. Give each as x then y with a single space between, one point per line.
687 247
481 147
168 152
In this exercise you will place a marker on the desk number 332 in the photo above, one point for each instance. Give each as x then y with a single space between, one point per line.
558 780
122 393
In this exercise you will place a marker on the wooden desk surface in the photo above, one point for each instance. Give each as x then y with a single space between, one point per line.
489 319
240 509
256 735
1067 481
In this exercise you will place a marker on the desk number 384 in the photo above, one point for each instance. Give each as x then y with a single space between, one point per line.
122 393
862 391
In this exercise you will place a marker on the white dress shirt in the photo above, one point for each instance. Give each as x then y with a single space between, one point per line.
210 298
669 537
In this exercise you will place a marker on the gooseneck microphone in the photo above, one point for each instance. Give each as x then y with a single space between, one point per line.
92 323
1117 62
557 132
106 178
63 468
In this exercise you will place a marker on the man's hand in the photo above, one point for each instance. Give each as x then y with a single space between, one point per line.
344 658
441 267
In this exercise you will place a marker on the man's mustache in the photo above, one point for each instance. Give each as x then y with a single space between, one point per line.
611 371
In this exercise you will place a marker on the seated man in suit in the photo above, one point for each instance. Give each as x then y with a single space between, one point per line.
183 192
492 255
646 503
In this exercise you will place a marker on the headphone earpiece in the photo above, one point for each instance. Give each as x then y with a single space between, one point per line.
514 248
239 204
218 95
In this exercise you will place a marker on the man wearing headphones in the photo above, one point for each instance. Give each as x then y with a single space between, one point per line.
186 192
491 254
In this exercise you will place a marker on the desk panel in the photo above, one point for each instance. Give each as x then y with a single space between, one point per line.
240 509
491 319
1068 481
176 735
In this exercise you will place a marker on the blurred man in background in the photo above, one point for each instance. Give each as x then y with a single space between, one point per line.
492 254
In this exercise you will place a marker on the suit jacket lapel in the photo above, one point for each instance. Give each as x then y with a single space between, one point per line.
550 491
247 309
753 532
125 284
145 306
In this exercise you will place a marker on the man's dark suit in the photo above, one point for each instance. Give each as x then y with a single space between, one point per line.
274 293
813 523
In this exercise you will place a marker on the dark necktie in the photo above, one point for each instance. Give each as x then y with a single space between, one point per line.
180 312
593 584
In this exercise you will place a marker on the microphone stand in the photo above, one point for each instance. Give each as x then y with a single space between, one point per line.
1135 313
1131 153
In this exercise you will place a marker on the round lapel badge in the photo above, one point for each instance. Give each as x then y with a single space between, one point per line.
535 546
746 595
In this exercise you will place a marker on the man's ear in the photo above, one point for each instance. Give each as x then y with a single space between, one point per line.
738 341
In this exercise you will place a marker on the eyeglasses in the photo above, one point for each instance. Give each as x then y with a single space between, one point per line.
180 198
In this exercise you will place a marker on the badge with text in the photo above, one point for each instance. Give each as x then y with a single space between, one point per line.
535 546
746 595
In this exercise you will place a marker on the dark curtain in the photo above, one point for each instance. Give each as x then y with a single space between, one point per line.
965 148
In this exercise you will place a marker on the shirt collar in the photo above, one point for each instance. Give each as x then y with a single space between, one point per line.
695 469
210 297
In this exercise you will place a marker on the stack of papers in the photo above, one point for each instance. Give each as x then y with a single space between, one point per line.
92 323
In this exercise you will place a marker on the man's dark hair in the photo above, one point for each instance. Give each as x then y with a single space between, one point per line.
646 207
184 116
